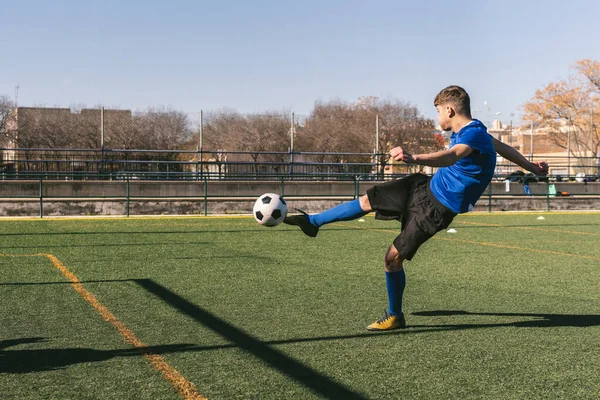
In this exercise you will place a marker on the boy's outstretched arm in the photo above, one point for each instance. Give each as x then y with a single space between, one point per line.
442 158
512 155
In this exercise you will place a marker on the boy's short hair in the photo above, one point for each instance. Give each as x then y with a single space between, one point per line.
457 97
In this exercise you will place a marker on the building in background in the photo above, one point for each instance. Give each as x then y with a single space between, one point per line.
557 145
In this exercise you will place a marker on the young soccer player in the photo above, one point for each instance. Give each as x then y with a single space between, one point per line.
425 205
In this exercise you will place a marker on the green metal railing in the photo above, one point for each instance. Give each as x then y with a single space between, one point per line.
123 191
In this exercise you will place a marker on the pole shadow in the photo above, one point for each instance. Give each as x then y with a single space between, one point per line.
301 373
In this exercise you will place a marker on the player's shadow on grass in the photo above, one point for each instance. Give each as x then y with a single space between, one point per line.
538 321
36 360
301 373
541 321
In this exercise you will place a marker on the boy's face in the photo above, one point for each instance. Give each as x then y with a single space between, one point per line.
445 113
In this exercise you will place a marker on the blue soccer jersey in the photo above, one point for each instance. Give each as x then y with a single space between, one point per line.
459 186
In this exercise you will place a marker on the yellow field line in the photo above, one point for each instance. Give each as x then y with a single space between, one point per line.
519 248
528 228
184 387
496 213
487 244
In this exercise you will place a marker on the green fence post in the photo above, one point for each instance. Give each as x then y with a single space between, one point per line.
127 191
490 197
41 198
205 197
356 186
547 195
282 187
198 164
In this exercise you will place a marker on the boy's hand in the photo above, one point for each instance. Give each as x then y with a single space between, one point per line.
539 168
399 154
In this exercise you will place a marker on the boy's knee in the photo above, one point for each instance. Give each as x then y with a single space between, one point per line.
393 260
365 204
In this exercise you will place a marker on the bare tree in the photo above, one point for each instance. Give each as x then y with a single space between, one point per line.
40 127
7 121
335 127
254 134
84 126
161 128
341 127
221 130
118 129
263 133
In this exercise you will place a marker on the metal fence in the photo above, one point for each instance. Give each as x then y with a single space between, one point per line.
121 164
41 197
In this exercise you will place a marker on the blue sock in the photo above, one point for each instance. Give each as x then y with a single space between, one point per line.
344 212
395 282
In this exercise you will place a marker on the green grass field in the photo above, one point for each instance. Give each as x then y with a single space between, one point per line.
506 308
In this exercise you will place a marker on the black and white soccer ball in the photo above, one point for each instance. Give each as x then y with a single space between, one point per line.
270 209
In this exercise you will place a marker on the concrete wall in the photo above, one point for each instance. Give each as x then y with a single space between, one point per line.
22 198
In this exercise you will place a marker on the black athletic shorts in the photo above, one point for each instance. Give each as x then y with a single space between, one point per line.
410 201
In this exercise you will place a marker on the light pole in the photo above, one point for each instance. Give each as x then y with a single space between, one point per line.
510 129
531 143
487 108
592 129
569 124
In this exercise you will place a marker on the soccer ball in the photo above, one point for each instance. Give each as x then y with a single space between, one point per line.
270 209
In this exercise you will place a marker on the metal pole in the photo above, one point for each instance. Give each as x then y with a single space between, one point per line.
292 128
41 199
511 131
205 193
569 148
201 129
127 191
531 143
376 144
591 138
377 133
292 134
102 127
490 197
102 137
201 144
375 169
547 195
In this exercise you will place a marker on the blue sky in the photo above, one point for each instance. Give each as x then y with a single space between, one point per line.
274 55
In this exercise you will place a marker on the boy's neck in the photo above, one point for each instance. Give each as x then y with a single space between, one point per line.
459 122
